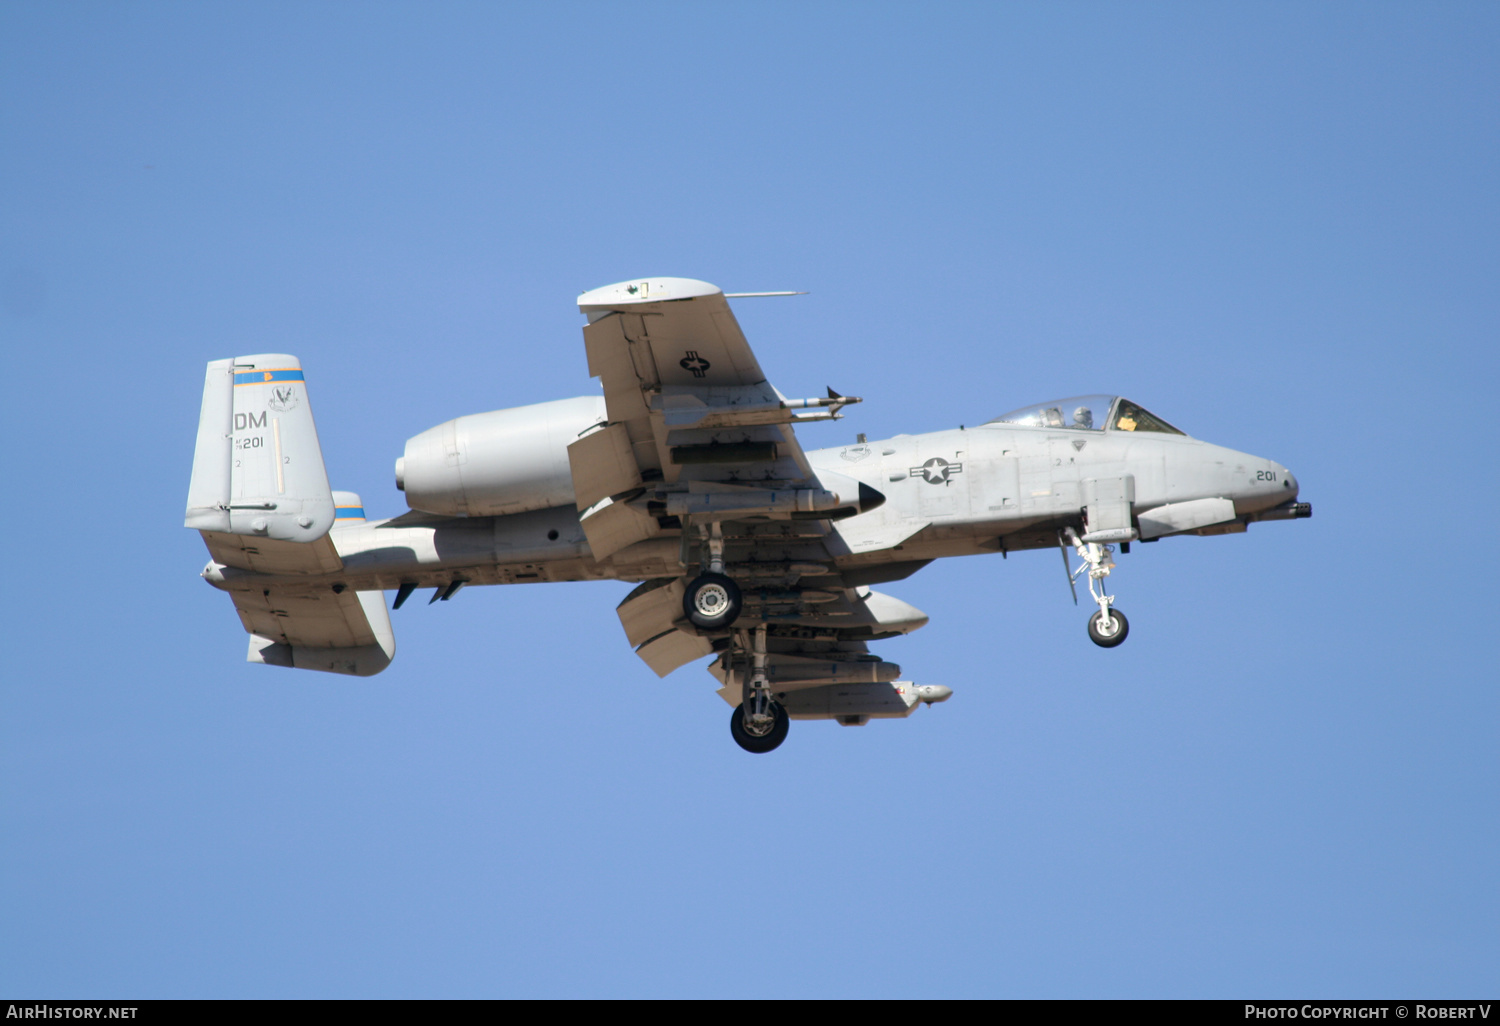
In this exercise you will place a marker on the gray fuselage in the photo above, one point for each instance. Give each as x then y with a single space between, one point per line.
995 487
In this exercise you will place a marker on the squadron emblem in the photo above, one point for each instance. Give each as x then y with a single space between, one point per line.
283 399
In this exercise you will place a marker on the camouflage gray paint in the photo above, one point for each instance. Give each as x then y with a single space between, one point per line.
686 476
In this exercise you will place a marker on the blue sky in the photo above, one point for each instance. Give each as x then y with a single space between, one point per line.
1275 225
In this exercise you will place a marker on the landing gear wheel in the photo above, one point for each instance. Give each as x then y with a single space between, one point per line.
1111 634
759 743
712 600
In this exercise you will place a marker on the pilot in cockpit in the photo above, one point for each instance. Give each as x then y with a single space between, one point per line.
1083 417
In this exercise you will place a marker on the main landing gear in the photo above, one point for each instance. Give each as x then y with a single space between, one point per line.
713 600
1108 627
759 723
772 724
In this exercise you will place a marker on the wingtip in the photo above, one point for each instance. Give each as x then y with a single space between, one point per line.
645 290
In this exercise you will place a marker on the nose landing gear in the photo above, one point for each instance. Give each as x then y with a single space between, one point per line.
1108 627
1107 633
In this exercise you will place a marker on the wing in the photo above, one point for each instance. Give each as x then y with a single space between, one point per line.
691 417
698 442
669 353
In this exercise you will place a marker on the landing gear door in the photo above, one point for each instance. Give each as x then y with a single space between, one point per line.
1107 508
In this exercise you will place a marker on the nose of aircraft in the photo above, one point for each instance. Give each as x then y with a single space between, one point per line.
1269 492
1260 484
930 693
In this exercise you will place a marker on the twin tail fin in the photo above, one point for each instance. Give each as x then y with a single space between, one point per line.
258 469
260 496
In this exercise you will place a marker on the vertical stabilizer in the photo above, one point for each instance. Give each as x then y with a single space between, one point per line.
208 493
258 468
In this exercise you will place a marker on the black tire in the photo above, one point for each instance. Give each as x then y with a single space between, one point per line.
759 745
711 601
1108 639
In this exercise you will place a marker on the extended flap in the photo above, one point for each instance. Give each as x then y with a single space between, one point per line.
651 609
603 464
612 526
673 649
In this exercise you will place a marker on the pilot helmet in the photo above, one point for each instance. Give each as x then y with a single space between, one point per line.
1083 416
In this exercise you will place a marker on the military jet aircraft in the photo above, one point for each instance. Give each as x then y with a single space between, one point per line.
686 477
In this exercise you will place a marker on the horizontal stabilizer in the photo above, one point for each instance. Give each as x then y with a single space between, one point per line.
318 629
265 556
363 661
268 556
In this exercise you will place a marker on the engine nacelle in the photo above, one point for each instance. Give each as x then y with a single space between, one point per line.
506 461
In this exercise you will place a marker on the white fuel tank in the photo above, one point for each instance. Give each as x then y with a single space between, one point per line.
490 464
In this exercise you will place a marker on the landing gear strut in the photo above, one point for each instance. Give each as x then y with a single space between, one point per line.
1108 627
759 723
712 600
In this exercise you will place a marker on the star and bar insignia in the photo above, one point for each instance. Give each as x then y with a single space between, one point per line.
937 470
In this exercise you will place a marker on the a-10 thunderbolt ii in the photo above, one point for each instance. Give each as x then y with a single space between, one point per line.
686 477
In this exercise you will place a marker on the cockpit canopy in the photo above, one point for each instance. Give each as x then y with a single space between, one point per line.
1088 413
